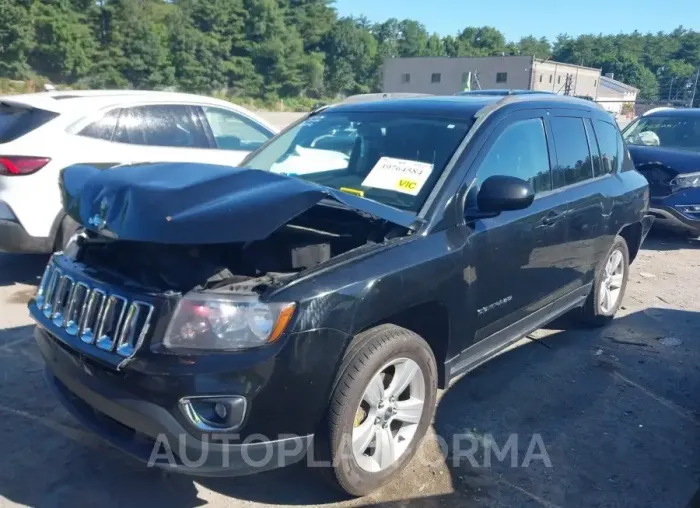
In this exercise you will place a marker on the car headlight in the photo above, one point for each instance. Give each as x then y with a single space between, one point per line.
204 321
685 181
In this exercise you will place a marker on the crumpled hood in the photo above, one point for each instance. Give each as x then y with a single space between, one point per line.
191 203
681 161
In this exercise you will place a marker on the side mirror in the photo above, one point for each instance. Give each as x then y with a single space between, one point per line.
502 193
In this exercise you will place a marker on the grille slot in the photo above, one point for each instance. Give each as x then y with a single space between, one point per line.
110 322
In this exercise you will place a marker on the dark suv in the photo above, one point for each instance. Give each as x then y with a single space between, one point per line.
222 321
665 148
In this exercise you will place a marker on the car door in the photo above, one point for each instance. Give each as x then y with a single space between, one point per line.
580 176
518 255
232 135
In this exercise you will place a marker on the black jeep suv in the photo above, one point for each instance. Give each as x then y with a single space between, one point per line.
222 321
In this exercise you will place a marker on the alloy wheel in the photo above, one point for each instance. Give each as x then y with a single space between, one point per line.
611 286
388 415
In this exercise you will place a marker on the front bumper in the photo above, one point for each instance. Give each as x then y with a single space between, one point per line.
670 218
150 432
15 239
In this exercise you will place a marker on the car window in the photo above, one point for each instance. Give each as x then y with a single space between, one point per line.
235 132
611 146
102 128
520 151
391 157
163 125
16 121
679 132
574 159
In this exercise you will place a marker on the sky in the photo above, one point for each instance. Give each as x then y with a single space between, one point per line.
548 18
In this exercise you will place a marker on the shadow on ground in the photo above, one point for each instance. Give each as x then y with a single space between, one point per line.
616 411
661 239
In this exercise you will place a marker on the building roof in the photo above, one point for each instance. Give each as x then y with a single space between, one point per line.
553 62
616 85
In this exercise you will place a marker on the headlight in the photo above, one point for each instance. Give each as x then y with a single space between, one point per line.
686 181
216 322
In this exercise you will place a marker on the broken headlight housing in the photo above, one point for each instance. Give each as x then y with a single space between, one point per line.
685 181
211 322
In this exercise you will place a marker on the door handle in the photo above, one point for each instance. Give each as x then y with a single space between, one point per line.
552 217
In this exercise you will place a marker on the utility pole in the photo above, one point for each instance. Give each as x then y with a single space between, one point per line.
695 87
670 88
567 85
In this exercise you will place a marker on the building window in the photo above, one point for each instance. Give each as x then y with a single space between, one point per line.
550 78
405 78
595 82
558 80
541 78
435 77
501 77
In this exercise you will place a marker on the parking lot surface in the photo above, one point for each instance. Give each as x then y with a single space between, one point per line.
616 410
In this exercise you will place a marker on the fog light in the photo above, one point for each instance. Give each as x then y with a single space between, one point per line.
214 413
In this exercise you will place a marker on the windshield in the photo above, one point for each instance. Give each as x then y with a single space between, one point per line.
393 158
678 132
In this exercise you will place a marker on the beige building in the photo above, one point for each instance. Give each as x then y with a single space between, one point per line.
613 95
447 76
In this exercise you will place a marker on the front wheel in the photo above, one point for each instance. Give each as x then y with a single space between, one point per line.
609 286
380 409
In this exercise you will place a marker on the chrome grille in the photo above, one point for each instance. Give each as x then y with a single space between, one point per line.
110 322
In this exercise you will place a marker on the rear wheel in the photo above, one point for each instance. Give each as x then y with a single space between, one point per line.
380 409
609 286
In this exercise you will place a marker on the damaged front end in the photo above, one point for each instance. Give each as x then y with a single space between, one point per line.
197 250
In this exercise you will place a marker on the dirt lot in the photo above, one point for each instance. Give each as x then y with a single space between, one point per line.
617 411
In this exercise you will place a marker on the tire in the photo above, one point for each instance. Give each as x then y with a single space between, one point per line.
66 230
596 312
376 356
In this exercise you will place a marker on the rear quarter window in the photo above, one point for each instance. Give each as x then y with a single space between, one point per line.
15 122
612 149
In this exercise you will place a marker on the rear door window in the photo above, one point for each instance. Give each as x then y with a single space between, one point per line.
574 162
174 126
102 128
611 146
15 122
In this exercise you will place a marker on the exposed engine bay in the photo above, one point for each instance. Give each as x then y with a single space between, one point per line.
311 239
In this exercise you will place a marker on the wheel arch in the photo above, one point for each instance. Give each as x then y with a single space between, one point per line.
431 321
632 234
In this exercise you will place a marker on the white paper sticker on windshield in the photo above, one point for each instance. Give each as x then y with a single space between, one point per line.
398 175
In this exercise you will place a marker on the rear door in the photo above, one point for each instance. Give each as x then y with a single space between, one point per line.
582 180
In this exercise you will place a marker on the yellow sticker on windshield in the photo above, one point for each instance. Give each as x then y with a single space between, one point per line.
400 175
356 192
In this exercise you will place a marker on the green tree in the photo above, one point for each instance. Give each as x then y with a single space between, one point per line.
413 39
532 46
351 53
16 38
135 51
65 45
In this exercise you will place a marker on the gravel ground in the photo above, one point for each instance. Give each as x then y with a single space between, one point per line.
616 411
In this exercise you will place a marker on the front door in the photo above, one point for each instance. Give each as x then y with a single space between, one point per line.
519 256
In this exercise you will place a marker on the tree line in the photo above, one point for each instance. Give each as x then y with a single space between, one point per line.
271 49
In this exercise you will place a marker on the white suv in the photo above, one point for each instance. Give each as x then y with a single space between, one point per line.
42 133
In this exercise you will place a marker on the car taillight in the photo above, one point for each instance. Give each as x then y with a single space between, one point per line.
20 165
